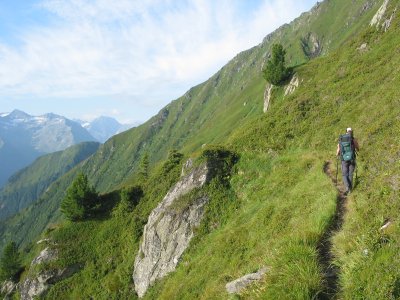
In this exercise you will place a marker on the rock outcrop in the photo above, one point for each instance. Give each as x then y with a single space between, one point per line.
267 96
168 231
8 287
36 283
293 84
235 287
386 23
379 14
312 45
363 47
379 18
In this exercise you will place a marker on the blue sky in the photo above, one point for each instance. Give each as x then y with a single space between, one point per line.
123 58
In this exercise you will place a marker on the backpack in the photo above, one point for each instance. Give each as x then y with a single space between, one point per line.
346 147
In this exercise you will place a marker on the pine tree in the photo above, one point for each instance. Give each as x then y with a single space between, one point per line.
275 71
144 167
80 199
10 262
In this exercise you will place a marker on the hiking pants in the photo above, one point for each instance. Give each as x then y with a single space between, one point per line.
347 173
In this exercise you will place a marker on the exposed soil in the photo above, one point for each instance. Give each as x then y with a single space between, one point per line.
325 256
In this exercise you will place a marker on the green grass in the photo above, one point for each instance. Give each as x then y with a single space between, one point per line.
274 222
207 114
276 204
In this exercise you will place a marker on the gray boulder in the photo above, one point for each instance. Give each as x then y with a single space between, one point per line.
46 255
234 287
168 231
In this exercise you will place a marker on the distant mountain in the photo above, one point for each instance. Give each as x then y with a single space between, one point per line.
23 138
102 128
27 185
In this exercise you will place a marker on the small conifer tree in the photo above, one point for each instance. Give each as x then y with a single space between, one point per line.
80 199
174 158
275 71
144 167
10 262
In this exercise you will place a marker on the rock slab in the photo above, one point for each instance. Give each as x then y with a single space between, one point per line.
168 231
234 287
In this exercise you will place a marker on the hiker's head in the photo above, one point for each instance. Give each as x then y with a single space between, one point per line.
349 130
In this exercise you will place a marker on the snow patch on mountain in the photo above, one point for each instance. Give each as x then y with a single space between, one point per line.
103 128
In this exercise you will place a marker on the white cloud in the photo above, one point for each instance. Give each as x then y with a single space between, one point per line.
138 48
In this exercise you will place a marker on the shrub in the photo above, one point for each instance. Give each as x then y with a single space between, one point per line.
80 200
10 262
129 198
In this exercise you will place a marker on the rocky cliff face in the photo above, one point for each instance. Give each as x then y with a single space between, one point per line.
168 231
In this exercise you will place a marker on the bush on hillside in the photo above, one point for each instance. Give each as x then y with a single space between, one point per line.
80 200
10 262
174 159
220 160
129 198
144 167
275 71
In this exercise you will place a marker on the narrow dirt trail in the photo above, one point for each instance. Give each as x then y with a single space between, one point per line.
325 256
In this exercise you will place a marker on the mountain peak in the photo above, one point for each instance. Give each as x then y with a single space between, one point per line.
52 116
18 114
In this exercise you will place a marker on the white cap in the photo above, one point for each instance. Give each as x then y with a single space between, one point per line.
349 129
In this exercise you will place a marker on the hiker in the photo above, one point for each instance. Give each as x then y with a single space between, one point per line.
347 149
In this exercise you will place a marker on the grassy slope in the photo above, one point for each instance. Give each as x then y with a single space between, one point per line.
207 113
286 202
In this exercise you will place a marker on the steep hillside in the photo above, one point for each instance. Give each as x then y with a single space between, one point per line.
273 211
209 112
30 183
287 202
